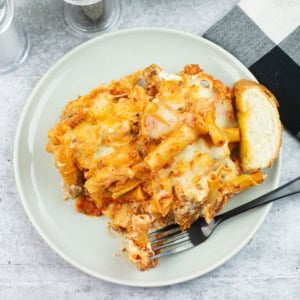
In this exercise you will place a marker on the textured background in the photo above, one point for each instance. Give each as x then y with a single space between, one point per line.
268 267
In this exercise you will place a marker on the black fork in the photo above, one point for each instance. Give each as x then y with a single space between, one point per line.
170 239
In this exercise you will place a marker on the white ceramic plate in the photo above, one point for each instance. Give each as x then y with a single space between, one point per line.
84 241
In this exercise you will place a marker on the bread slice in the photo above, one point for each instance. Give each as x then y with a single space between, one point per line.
260 126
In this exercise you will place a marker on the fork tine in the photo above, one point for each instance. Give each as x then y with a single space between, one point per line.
170 240
176 248
165 235
164 230
170 237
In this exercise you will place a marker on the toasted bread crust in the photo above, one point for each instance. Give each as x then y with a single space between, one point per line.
243 116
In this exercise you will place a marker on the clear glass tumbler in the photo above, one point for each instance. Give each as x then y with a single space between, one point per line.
86 18
14 43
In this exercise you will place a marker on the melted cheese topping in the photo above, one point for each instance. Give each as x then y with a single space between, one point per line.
162 75
160 123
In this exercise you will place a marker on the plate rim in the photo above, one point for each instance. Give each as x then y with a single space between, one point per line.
22 196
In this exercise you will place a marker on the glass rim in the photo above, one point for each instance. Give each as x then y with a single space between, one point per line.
8 15
82 2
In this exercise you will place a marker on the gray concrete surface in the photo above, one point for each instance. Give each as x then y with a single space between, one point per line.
267 268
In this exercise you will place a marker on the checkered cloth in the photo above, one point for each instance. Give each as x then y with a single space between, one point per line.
265 36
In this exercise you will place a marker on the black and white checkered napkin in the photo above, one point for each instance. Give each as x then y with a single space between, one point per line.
265 36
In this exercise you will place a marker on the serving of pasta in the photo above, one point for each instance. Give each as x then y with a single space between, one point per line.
149 150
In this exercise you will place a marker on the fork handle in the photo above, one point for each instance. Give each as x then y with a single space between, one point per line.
288 189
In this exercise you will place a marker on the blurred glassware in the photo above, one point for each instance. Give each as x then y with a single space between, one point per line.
86 18
14 43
